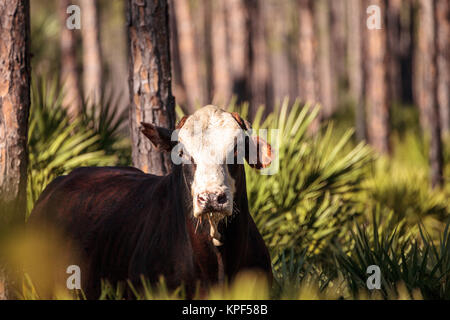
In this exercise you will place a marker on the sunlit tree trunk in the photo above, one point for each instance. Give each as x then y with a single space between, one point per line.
207 19
259 61
238 40
14 111
376 94
151 97
307 57
428 103
70 77
354 62
221 70
338 42
189 59
393 27
325 75
443 63
279 58
92 53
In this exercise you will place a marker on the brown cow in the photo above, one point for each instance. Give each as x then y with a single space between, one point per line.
192 226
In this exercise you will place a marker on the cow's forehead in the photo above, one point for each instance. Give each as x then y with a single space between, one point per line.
209 128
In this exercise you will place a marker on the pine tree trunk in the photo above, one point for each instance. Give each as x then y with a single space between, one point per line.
222 80
70 77
92 53
307 57
443 63
325 75
338 42
238 39
188 55
207 44
354 62
177 79
393 27
279 58
151 97
376 95
259 61
428 104
14 111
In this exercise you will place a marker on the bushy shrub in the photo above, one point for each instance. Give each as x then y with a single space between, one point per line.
56 146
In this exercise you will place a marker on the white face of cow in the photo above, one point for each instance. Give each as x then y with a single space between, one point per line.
208 138
211 140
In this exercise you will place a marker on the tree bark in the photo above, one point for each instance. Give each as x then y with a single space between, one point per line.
14 112
207 19
354 62
92 53
70 77
393 27
376 95
177 79
338 42
151 97
238 39
189 60
279 57
428 104
222 88
443 63
259 56
325 74
307 57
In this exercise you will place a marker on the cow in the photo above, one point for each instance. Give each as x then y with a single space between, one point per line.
192 226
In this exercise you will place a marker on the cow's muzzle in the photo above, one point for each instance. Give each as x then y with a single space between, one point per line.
214 207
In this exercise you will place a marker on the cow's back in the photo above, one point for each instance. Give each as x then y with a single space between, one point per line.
101 212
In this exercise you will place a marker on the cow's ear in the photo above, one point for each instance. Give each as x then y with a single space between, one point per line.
181 123
160 137
260 154
244 124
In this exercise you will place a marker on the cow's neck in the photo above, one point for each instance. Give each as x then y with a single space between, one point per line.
234 232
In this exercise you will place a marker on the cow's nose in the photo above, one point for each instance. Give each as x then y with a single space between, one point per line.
211 200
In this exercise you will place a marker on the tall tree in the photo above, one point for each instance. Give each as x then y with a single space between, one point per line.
443 63
259 55
207 17
376 94
177 79
325 74
307 56
189 60
151 98
354 62
70 76
338 41
222 80
279 59
238 41
428 104
14 111
92 53
393 27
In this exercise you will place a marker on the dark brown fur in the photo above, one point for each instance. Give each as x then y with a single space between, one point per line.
127 223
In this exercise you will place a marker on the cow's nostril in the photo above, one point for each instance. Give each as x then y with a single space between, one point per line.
222 198
202 199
